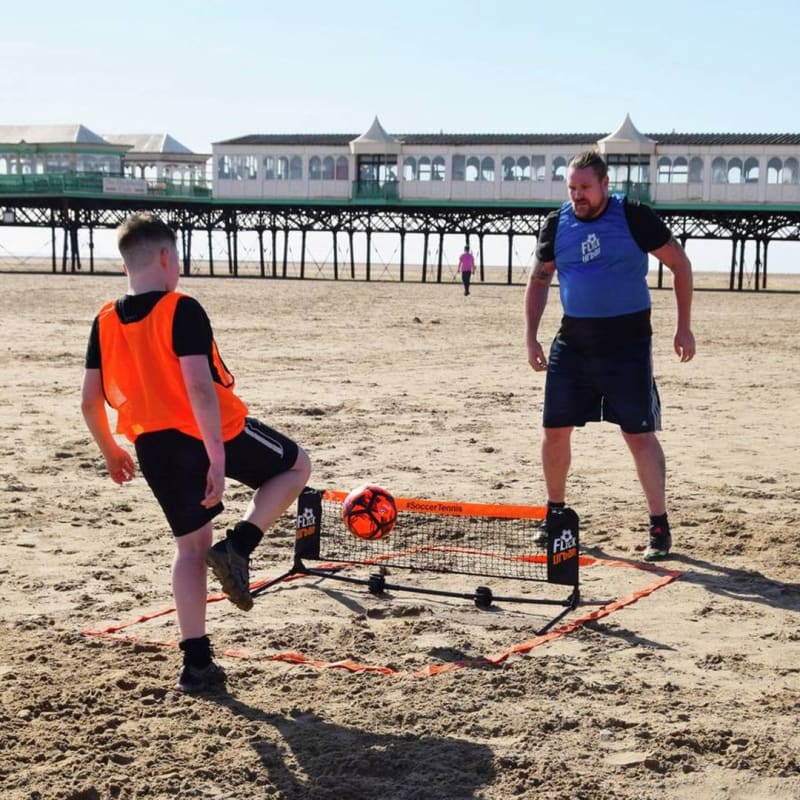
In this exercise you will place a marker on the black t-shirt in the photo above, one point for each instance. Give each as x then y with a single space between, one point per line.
191 328
597 334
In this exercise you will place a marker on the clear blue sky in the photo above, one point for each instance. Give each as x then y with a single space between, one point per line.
208 71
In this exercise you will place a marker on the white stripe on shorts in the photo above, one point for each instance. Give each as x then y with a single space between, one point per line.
260 436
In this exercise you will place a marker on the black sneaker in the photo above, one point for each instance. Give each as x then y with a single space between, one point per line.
200 679
232 571
659 545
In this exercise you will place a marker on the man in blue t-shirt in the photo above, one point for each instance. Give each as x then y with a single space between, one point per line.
600 365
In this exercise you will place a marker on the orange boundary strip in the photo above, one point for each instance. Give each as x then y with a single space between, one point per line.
415 505
667 577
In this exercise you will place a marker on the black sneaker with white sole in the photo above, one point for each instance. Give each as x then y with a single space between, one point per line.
232 570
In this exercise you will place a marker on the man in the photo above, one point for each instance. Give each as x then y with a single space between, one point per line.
466 266
600 365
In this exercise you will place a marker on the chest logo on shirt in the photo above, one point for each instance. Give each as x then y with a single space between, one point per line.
590 249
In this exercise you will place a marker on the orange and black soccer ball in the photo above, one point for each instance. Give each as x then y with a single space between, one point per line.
369 512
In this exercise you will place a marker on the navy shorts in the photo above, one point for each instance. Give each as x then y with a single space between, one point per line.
175 467
589 387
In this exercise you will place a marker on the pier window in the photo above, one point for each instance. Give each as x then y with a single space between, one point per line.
696 170
377 169
719 170
409 168
328 168
315 168
538 170
424 169
108 165
438 169
487 169
663 170
680 170
735 170
669 171
782 172
237 168
516 169
559 168
296 169
473 172
342 169
269 168
282 168
459 168
751 170
57 163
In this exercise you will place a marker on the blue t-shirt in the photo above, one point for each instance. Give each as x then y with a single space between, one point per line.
602 271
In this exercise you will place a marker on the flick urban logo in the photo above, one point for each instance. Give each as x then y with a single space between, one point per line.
564 547
590 249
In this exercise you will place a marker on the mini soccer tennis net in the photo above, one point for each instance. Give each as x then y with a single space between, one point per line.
486 540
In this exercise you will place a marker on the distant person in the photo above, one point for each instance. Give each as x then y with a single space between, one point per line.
152 357
600 365
466 266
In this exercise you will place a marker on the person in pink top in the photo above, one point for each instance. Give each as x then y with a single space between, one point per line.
466 266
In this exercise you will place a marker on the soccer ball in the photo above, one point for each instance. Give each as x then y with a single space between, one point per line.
369 512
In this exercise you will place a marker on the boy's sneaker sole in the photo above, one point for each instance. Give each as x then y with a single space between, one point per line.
200 679
232 571
658 547
655 554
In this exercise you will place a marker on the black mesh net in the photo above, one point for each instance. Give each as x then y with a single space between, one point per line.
468 541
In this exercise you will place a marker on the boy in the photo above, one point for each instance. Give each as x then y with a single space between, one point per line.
152 357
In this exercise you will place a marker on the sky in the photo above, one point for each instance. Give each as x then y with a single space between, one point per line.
205 71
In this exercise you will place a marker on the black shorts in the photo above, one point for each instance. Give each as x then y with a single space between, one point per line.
175 467
589 387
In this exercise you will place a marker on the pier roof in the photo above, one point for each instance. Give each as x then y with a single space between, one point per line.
534 139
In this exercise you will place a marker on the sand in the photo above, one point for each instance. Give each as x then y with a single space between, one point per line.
693 691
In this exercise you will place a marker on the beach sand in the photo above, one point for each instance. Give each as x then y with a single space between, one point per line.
693 691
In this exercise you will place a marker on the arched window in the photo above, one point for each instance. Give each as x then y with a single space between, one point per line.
282 168
790 172
438 169
409 168
487 169
224 167
523 169
680 170
424 173
473 170
328 168
538 168
663 170
459 168
507 168
735 170
696 170
296 169
559 168
342 168
314 168
774 167
751 170
719 170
